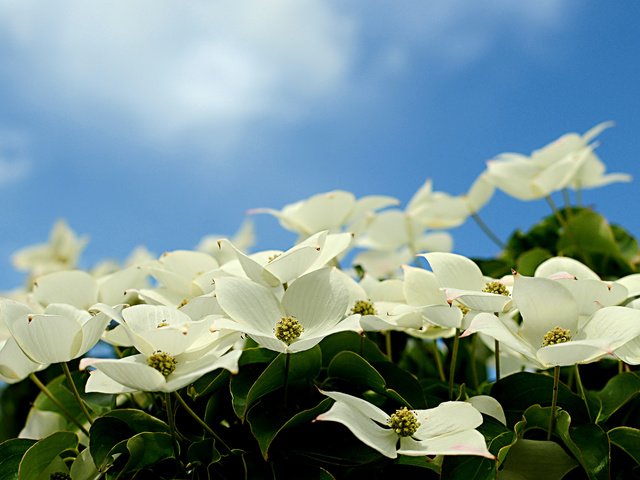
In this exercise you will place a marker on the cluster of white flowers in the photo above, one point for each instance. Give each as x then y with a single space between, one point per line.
186 312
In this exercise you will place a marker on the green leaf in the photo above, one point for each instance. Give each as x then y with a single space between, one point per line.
421 462
352 342
11 453
616 393
587 442
303 366
203 452
147 448
83 467
536 459
626 438
266 425
109 433
209 383
528 261
43 453
352 368
627 244
467 467
519 391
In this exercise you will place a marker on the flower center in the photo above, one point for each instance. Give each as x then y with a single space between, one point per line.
463 308
162 362
364 307
404 422
496 287
555 336
288 329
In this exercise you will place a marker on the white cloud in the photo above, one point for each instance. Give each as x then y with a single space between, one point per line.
15 164
215 70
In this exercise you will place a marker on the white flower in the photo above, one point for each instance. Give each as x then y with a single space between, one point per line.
60 253
312 308
332 211
448 429
551 333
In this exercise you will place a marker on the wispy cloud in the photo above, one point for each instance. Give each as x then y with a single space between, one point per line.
212 71
15 164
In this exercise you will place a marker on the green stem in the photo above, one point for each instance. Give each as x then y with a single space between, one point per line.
620 366
200 421
287 361
172 424
487 231
496 349
554 401
556 212
581 390
74 390
387 343
454 357
438 358
43 388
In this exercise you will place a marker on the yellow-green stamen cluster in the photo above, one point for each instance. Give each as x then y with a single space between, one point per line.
463 308
288 329
404 422
555 336
364 307
162 362
497 288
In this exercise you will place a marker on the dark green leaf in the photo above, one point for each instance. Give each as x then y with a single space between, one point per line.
519 391
617 392
626 438
466 467
11 452
353 342
528 261
147 448
266 425
536 459
44 452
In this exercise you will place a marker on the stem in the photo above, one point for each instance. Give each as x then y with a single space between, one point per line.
556 212
287 361
43 388
452 367
436 354
620 366
74 390
487 231
496 348
172 424
387 343
554 401
200 421
581 390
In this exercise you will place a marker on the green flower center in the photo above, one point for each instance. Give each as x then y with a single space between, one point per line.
364 307
404 422
463 308
288 329
60 476
555 336
497 288
162 362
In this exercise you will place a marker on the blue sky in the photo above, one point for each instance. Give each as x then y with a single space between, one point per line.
157 123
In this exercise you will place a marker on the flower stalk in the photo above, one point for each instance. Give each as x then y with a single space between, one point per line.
74 390
454 357
554 401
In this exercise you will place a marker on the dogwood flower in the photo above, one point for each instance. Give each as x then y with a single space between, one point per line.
448 429
551 333
312 308
60 253
332 211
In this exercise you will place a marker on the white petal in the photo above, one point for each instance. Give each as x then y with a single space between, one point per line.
101 383
631 283
74 287
544 304
421 287
358 416
489 406
556 265
455 271
248 303
132 372
295 261
469 442
318 300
